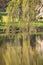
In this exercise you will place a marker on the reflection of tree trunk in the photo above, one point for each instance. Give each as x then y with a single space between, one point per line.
21 43
2 62
33 40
